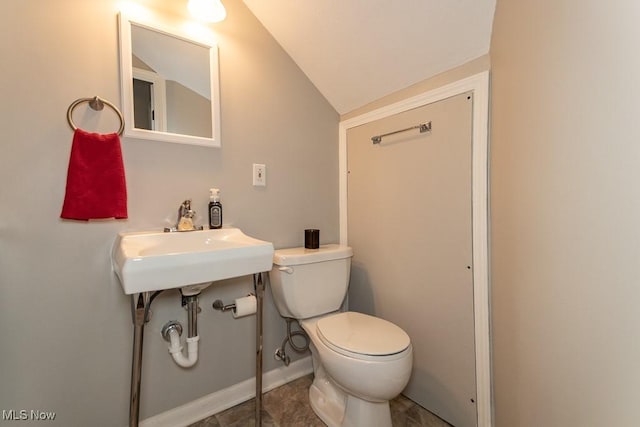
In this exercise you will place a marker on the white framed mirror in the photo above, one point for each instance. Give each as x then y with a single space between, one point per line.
169 84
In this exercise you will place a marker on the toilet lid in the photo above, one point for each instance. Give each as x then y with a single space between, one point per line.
362 334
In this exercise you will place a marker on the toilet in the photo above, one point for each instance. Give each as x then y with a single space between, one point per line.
360 362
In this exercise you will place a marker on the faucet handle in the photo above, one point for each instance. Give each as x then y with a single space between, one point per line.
185 218
185 210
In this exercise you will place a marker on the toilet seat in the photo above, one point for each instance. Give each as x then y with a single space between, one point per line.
362 336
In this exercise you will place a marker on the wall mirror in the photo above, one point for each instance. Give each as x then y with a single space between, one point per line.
169 84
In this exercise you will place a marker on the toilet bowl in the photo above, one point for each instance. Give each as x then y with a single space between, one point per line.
367 381
360 361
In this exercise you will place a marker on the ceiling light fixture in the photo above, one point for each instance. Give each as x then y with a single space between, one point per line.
207 10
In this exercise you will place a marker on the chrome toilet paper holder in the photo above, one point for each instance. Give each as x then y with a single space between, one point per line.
219 305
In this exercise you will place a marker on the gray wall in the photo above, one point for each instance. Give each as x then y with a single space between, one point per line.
65 323
565 207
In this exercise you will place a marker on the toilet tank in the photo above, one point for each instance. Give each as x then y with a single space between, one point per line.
309 282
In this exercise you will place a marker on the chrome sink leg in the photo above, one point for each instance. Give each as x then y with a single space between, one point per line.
140 304
258 285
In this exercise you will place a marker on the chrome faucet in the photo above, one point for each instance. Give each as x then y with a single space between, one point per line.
185 218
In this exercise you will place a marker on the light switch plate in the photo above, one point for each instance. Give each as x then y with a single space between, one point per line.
259 175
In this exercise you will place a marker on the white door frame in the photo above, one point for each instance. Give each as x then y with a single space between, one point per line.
479 85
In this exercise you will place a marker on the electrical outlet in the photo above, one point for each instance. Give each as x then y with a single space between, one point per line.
259 175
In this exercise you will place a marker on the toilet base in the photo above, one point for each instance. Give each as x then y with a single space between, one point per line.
359 413
330 409
339 409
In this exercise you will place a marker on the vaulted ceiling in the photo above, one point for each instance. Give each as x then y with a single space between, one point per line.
357 51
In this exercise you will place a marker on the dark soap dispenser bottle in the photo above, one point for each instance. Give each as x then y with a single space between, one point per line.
215 209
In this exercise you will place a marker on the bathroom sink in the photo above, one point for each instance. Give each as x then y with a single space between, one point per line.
150 261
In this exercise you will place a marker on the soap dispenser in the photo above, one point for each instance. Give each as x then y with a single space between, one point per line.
215 209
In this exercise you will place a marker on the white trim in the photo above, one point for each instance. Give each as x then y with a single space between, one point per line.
158 96
479 85
218 401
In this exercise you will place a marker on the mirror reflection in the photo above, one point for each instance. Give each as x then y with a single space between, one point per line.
169 84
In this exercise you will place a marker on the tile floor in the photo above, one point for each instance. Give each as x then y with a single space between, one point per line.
288 406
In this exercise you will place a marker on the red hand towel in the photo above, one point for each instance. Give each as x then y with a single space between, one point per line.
96 186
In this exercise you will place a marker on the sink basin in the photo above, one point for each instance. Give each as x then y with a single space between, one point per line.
151 261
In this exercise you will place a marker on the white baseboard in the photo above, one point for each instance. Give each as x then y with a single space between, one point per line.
218 401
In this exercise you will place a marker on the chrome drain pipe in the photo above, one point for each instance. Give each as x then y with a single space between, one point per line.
192 315
172 331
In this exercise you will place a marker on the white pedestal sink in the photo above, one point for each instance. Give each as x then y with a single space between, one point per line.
153 261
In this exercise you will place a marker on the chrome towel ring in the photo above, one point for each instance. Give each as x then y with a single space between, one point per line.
97 104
